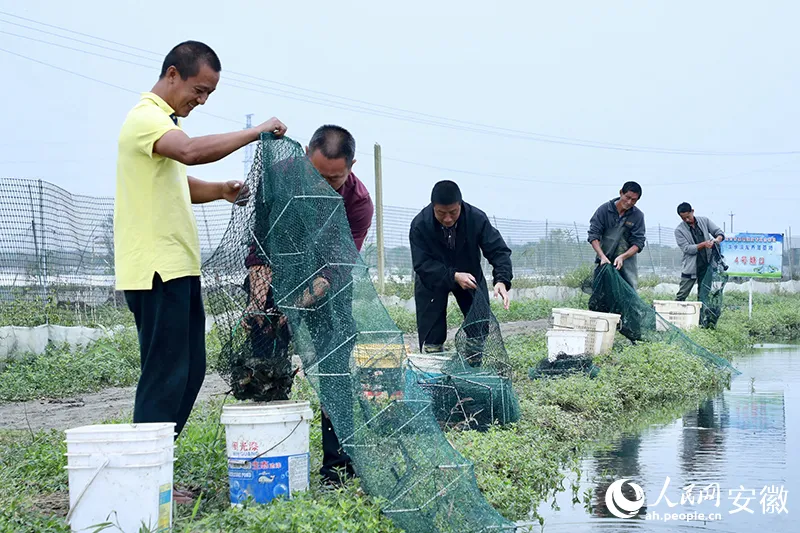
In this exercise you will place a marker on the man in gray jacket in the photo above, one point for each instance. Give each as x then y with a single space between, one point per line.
696 237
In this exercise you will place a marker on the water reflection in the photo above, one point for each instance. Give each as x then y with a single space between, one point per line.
703 438
622 458
727 452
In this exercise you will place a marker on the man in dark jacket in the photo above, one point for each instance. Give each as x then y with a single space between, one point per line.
447 238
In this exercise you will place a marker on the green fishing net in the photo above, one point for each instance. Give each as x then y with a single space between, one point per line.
564 365
711 288
472 389
352 352
639 321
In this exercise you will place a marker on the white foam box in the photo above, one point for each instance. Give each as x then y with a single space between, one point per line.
568 342
601 327
683 315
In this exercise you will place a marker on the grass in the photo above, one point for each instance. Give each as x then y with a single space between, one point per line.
518 310
522 466
112 361
519 467
33 484
31 313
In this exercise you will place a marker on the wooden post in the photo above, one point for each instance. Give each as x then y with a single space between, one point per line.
379 216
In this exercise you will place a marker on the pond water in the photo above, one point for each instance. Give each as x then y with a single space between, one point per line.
735 458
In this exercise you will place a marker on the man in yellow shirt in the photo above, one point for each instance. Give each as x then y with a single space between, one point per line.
156 245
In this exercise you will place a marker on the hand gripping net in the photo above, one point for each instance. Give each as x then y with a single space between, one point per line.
351 350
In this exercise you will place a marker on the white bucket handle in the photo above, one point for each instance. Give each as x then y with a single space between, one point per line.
600 318
281 442
85 488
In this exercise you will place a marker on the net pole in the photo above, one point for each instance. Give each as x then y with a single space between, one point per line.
791 255
379 216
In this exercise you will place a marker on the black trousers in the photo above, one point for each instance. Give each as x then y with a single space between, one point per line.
170 321
432 314
333 330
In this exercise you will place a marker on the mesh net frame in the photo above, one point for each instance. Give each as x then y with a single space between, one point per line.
352 352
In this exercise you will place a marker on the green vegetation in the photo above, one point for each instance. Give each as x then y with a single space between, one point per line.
112 361
36 312
519 467
518 310
33 484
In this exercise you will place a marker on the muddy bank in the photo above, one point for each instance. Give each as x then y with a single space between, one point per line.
64 413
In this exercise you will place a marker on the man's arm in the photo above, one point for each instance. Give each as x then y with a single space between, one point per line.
175 144
361 223
497 253
599 251
597 226
596 229
638 237
204 191
715 231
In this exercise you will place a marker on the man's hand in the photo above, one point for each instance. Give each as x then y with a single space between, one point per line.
466 280
500 291
273 126
604 260
235 191
319 288
705 244
260 280
618 262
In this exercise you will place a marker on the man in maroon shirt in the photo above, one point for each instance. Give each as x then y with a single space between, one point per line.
331 151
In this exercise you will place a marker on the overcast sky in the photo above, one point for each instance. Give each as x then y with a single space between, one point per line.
716 77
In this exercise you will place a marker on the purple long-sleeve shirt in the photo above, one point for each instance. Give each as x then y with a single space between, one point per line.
358 208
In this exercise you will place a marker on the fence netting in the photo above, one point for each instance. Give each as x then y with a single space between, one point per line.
295 231
57 250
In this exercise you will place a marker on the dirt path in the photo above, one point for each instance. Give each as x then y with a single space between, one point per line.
96 407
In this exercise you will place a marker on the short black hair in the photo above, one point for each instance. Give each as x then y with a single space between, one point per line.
684 207
445 193
334 142
187 58
632 186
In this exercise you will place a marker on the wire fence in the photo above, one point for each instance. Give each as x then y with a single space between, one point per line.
58 247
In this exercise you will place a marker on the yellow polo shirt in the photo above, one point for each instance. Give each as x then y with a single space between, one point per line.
154 225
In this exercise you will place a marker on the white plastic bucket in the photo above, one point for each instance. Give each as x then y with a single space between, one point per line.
121 473
430 364
568 342
268 449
